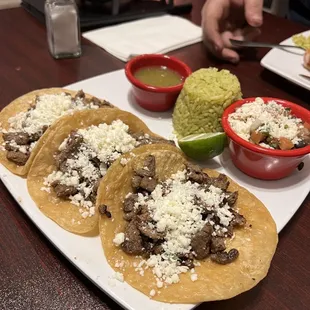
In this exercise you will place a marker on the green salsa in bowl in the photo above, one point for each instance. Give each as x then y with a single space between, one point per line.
156 80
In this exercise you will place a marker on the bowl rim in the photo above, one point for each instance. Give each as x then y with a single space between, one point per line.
253 147
141 85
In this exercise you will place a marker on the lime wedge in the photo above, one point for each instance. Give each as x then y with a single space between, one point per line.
203 146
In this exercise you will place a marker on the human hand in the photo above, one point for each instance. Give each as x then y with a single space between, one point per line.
223 20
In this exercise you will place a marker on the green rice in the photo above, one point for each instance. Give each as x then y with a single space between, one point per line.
200 105
302 41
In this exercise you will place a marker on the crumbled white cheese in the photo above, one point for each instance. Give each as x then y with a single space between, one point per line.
48 108
272 117
124 161
104 142
194 277
177 214
119 276
152 293
119 239
45 189
109 141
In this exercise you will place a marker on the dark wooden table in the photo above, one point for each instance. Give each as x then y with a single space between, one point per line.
33 274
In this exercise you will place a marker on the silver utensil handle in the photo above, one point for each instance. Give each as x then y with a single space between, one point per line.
261 44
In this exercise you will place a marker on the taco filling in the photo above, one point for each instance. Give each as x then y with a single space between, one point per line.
83 158
26 128
176 223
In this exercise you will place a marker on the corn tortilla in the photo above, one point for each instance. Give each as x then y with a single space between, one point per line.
22 104
62 211
255 244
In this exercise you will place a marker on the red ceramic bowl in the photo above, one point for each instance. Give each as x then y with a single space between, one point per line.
155 98
259 162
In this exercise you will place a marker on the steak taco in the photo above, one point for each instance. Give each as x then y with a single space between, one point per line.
30 119
182 235
65 175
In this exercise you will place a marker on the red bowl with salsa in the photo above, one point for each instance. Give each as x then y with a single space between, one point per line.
156 80
261 162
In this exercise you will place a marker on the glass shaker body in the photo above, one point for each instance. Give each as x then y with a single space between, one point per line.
63 28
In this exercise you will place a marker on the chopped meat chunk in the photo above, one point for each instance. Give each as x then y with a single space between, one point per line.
96 162
238 220
231 198
158 249
73 143
148 184
80 94
187 260
129 203
143 140
93 194
149 232
136 181
217 244
21 138
221 182
129 216
144 215
195 174
18 158
201 242
133 241
35 137
65 191
224 258
10 147
103 210
148 169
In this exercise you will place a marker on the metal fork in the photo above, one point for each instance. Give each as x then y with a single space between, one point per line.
238 43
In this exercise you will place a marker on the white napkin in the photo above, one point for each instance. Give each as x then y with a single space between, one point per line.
8 4
157 35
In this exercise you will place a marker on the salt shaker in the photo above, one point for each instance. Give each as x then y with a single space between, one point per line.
63 28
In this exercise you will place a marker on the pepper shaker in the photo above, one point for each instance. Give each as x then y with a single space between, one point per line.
63 28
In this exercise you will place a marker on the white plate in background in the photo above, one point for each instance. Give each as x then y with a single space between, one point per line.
288 63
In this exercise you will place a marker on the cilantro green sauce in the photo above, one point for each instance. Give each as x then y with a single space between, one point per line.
158 76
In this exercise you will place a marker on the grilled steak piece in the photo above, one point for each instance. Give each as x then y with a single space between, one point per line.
195 174
238 220
148 169
224 258
21 138
217 244
129 203
80 94
74 142
143 140
231 198
129 216
64 191
17 157
187 260
158 249
148 184
201 242
10 147
133 241
221 182
103 210
149 232
136 181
